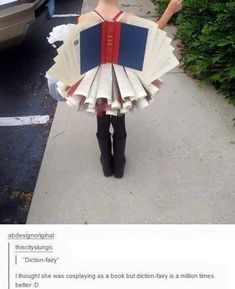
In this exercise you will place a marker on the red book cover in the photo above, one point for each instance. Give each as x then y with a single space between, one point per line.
110 42
116 43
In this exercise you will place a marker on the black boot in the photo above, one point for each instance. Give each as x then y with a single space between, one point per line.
119 158
106 155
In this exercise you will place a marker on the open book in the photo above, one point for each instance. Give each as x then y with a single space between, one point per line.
112 66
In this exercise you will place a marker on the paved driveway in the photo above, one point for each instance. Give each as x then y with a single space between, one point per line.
23 93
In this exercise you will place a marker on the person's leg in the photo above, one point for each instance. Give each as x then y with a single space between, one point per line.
103 125
104 141
119 126
119 145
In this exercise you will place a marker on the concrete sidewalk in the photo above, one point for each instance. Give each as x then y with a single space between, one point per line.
180 160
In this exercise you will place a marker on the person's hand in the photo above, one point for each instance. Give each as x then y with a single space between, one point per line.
174 6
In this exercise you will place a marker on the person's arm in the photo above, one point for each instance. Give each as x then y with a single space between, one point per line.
173 7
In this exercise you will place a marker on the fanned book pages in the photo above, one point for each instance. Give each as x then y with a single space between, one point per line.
110 66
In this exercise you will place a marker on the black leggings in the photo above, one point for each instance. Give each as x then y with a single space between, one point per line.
118 124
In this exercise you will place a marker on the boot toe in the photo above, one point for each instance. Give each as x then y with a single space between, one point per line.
118 170
107 167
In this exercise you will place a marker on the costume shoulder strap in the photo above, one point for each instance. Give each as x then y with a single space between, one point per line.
116 18
98 15
119 16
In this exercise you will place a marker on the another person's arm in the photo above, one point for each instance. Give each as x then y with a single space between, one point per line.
173 7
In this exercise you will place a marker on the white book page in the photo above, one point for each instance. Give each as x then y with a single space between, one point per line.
162 44
74 75
73 101
170 63
115 95
165 50
162 52
91 98
62 61
106 81
169 51
152 89
73 50
73 57
142 103
55 73
125 87
136 84
85 85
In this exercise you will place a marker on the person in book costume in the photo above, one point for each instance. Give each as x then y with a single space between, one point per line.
111 63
